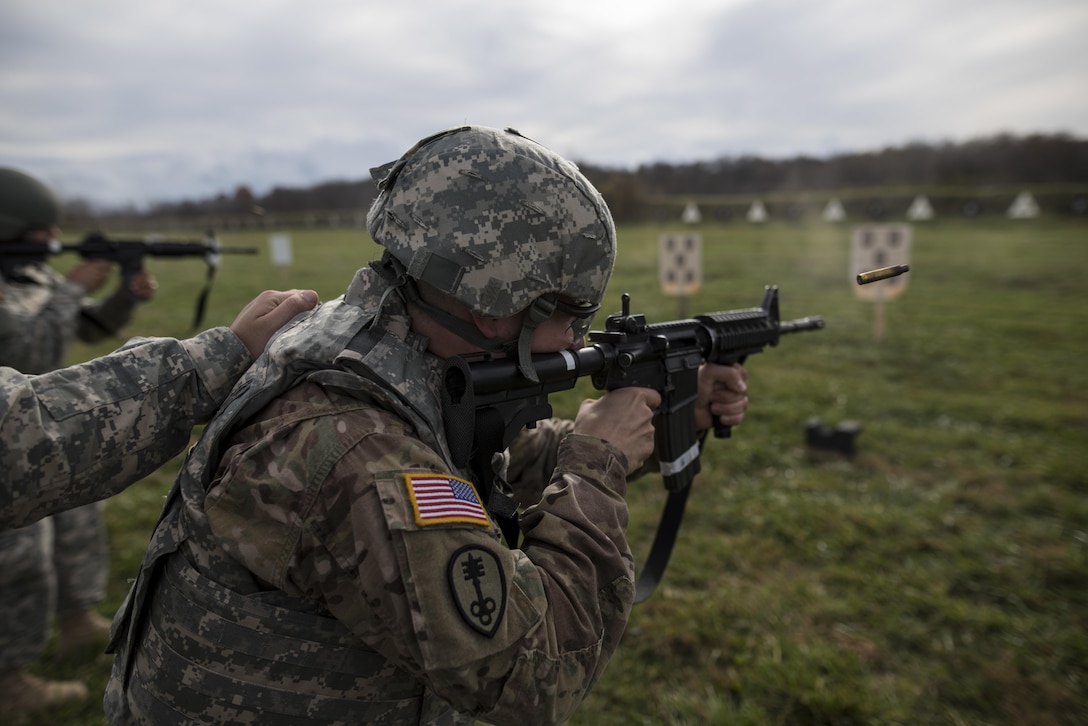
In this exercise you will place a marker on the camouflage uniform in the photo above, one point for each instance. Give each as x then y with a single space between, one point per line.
81 434
321 561
49 312
60 564
9 332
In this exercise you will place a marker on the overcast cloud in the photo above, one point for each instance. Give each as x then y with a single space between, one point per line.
126 102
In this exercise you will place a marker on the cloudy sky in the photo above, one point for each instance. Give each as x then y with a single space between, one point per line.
133 101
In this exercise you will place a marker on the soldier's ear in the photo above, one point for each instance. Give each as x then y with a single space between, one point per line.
488 327
502 328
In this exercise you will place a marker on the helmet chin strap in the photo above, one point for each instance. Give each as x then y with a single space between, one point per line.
391 269
542 308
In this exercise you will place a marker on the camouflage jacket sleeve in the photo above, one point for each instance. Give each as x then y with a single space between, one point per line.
100 319
84 433
338 509
533 455
43 310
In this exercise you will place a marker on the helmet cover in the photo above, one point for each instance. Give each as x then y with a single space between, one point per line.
25 204
495 220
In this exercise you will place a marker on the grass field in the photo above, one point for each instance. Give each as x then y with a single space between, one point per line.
940 576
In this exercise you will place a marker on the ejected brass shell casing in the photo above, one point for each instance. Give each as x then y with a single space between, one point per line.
883 273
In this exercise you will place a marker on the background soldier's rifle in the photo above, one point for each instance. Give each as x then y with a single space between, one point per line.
487 402
128 254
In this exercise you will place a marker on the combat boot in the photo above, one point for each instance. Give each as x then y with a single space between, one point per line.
22 693
81 630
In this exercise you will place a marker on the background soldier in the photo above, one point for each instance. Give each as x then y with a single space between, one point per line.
57 564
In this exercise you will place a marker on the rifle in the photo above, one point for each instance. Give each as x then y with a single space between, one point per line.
128 254
487 401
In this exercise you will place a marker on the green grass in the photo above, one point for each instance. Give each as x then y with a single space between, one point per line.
939 576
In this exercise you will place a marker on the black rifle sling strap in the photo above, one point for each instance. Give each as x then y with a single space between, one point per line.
202 300
502 507
212 261
667 529
679 486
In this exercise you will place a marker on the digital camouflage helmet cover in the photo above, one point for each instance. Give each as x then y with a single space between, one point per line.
498 222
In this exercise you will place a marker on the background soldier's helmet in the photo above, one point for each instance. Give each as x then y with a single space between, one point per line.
495 220
25 204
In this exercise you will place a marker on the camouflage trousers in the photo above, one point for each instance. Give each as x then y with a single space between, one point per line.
56 565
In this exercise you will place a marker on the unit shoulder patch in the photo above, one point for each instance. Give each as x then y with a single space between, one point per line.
445 499
478 586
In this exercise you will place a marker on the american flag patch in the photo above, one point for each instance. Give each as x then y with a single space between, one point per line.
442 499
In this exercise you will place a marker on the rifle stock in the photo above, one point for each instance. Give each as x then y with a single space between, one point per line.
487 401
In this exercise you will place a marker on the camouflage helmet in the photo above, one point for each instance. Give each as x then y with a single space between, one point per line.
495 220
25 204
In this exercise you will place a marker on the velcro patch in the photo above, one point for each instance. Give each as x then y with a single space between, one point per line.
445 499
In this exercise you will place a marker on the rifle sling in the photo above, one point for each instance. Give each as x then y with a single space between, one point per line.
504 510
667 528
202 299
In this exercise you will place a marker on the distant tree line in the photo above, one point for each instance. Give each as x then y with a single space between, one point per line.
1002 160
329 196
952 171
999 160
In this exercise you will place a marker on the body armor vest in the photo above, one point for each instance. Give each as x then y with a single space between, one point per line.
239 645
